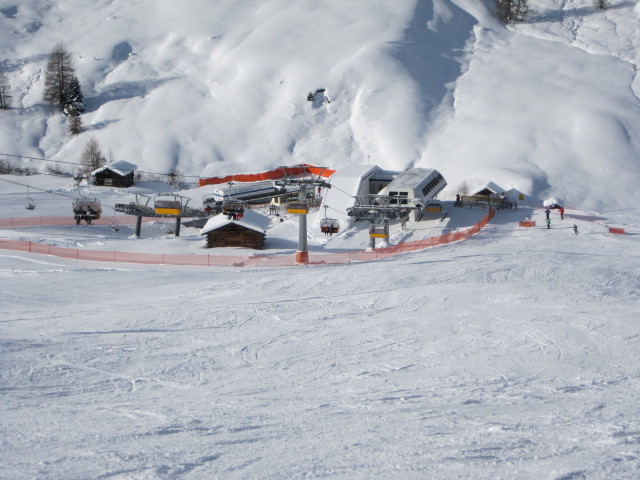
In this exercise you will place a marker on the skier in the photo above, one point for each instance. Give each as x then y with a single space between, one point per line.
561 210
547 212
575 228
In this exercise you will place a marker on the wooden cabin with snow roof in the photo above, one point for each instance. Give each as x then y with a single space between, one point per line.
248 231
114 174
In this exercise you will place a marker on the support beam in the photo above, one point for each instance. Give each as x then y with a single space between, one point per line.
302 255
138 225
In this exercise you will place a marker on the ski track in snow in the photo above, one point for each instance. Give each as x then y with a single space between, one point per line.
508 355
512 354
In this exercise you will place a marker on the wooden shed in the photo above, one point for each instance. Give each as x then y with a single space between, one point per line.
116 174
248 232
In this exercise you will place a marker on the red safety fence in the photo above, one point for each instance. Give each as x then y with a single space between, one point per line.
64 221
619 231
208 260
303 169
527 223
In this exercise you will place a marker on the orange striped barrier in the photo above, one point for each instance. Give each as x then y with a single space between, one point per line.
303 169
258 260
616 230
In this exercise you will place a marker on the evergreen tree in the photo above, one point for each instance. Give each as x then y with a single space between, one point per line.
73 98
4 90
511 11
601 4
92 157
61 87
75 122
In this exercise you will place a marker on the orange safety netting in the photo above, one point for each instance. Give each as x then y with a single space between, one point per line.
303 169
63 221
208 260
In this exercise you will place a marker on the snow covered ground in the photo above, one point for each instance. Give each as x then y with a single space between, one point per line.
512 354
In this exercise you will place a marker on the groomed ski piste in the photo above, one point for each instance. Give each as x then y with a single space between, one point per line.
511 354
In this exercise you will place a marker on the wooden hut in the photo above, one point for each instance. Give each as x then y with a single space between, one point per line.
116 174
249 231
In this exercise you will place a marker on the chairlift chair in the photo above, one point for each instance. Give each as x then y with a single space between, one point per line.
231 206
329 225
87 209
168 204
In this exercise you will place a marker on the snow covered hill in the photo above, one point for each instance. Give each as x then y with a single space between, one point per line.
513 354
550 107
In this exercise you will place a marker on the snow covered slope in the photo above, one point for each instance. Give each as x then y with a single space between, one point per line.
549 107
513 354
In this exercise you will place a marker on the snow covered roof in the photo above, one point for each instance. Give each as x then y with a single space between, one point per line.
119 166
492 187
250 219
410 177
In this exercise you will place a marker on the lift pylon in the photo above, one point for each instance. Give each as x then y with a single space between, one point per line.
301 207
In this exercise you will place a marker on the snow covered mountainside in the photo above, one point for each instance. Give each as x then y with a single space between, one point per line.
549 107
513 354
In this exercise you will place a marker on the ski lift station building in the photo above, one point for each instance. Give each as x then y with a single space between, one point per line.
414 187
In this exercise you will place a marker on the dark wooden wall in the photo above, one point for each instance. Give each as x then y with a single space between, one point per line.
235 235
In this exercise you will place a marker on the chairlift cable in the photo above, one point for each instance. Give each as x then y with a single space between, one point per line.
48 191
81 165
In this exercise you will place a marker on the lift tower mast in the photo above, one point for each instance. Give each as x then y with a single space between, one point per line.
301 207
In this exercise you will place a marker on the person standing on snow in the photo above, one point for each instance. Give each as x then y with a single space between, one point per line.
547 212
561 210
575 228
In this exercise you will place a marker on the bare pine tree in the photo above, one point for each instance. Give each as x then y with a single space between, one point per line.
92 157
175 178
4 90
